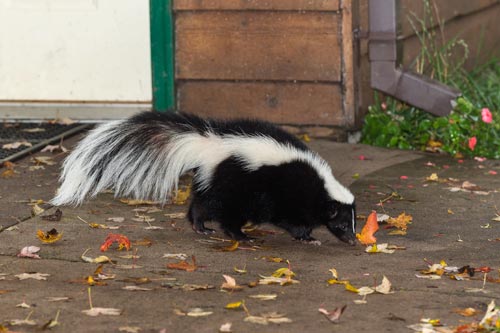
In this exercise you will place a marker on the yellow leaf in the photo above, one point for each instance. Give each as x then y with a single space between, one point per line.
335 281
401 222
240 270
283 272
397 233
181 196
351 288
433 178
235 305
450 211
50 236
233 247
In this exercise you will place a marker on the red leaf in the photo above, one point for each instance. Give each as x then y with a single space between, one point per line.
122 240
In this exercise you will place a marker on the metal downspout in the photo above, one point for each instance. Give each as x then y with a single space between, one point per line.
417 90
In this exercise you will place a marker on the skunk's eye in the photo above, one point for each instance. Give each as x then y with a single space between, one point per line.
343 227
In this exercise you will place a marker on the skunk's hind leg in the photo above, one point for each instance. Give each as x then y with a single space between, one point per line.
198 215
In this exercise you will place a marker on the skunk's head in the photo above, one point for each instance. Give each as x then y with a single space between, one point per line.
341 221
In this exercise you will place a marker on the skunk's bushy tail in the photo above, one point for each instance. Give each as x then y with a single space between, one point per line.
141 157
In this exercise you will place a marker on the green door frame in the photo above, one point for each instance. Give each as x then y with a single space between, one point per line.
162 55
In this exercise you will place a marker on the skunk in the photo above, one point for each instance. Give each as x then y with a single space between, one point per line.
244 170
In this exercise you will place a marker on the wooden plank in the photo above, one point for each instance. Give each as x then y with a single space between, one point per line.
446 10
348 102
285 103
258 46
319 5
479 31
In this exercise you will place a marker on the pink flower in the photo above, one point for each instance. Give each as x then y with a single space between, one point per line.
492 172
383 106
403 177
472 143
486 115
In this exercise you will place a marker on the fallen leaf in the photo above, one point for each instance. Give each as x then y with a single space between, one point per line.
143 218
57 299
240 270
35 276
467 312
264 319
44 160
116 219
234 305
432 178
94 312
380 248
430 276
36 210
33 130
29 252
397 232
233 247
264 297
181 195
275 280
184 265
98 260
23 305
136 288
370 228
333 315
283 272
53 148
52 322
178 256
198 312
16 145
225 328
384 287
230 284
122 240
50 236
401 222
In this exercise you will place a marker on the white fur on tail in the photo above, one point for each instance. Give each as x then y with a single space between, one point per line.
152 171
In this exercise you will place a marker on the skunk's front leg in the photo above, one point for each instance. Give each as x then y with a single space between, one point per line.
303 234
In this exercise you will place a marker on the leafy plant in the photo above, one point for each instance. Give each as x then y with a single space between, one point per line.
472 128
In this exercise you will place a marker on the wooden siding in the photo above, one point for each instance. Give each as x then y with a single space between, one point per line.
258 46
319 5
280 65
285 103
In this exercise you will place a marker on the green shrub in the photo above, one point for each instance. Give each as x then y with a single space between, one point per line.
391 123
